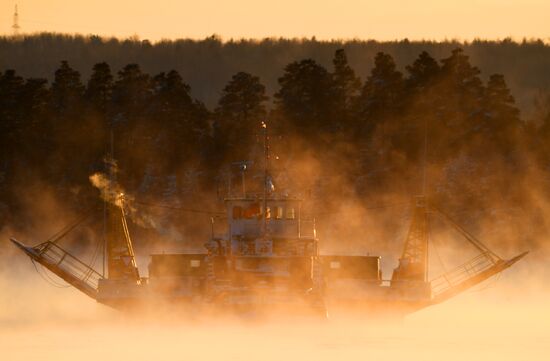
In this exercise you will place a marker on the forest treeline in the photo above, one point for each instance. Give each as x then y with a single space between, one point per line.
371 138
208 64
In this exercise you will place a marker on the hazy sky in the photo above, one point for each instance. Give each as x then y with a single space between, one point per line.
382 19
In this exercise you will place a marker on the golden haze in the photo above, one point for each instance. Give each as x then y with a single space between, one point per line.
380 20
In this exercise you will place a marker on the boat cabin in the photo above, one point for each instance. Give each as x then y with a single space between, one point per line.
277 230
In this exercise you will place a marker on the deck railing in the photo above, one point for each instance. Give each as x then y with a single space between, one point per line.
461 274
57 257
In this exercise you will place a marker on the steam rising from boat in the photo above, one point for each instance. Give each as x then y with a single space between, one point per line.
113 193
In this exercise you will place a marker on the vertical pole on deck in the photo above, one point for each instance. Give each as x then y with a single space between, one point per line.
266 160
110 164
243 169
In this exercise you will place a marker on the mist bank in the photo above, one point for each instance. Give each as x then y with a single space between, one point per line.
507 320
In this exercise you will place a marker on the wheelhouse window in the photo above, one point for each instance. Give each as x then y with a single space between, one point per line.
237 212
254 210
290 213
195 263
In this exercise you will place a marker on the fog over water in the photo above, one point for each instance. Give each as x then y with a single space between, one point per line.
506 319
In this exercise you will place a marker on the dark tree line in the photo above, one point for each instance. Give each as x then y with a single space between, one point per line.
370 132
207 64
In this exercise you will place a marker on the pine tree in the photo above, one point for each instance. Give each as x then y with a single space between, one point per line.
306 98
501 114
11 86
98 96
346 88
462 88
171 101
500 102
382 94
100 87
420 117
131 92
422 73
172 92
181 124
131 122
67 125
458 103
243 99
66 91
240 110
36 135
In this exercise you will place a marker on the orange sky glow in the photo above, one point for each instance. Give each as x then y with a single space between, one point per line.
343 19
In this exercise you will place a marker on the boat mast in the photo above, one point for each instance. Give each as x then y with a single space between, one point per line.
109 161
266 160
414 261
425 208
425 157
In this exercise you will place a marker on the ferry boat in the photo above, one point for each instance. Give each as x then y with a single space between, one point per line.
268 259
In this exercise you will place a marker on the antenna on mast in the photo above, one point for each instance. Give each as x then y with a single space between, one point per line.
15 27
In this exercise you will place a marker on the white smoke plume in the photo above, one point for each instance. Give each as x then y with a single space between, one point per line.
113 193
